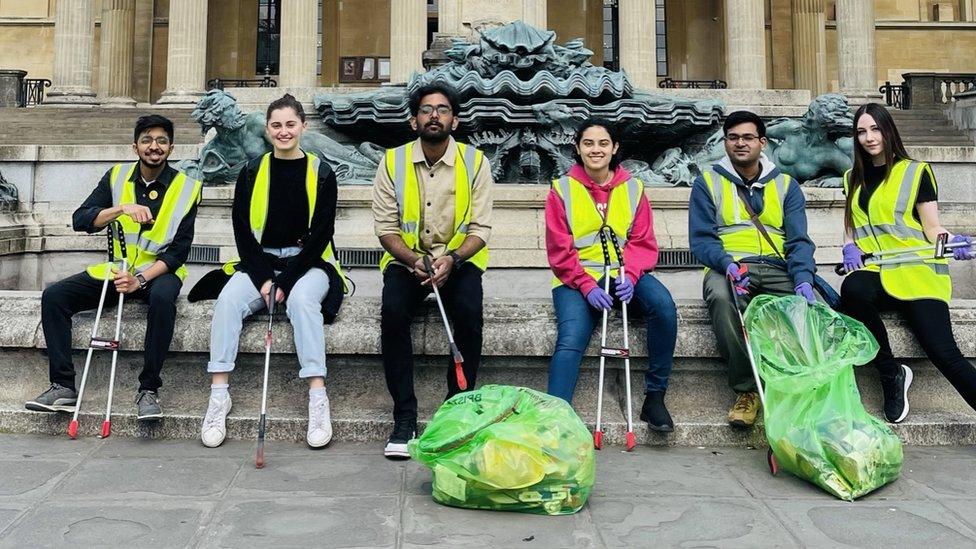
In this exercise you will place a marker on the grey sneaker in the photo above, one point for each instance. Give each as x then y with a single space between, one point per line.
56 399
148 404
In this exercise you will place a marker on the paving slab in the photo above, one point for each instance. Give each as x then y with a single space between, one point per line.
428 524
872 524
8 514
669 521
62 448
31 478
137 478
951 478
307 522
320 473
965 509
143 525
650 472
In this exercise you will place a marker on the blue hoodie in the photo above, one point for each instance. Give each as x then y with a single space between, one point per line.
703 230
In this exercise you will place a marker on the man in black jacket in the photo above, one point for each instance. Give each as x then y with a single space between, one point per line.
133 194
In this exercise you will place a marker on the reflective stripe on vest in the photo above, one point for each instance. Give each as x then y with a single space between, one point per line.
143 246
258 213
739 235
889 223
585 221
400 168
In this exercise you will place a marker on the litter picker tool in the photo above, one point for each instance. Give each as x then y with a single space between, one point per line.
770 457
98 343
259 457
631 439
939 251
458 359
611 352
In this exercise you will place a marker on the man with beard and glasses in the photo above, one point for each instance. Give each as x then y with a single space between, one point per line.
431 199
156 206
770 253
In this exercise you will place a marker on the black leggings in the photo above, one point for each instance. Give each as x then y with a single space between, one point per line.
862 297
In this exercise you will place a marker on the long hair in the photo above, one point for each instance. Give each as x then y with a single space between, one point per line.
894 150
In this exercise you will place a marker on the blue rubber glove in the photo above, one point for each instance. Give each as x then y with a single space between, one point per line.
805 290
963 253
852 257
740 280
625 289
598 299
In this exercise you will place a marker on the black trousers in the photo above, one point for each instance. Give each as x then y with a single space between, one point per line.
402 295
863 297
80 292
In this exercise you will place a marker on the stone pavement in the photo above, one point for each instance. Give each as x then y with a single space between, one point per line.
136 493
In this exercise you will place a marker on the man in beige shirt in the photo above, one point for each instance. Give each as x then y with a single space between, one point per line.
431 198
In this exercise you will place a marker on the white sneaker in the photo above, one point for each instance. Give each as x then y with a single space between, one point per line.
214 428
319 422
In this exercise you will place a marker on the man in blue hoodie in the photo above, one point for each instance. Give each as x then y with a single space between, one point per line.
745 220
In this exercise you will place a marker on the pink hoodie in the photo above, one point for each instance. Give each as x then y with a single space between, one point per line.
640 251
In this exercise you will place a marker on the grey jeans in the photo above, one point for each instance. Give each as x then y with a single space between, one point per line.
240 299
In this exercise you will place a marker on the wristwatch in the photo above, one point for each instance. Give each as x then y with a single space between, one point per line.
457 258
142 281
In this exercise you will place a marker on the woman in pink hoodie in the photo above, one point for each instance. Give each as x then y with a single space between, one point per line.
596 193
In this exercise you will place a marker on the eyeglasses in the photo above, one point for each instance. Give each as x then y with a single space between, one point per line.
442 110
162 140
747 138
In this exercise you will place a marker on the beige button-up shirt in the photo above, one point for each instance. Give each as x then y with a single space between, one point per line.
436 184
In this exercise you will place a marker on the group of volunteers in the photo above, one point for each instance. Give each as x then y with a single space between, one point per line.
432 205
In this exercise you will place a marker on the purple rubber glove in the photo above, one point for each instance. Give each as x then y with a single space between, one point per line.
738 277
805 290
963 253
598 299
852 257
625 289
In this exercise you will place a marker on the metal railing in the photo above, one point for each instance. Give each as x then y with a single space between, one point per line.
32 91
895 95
669 83
220 83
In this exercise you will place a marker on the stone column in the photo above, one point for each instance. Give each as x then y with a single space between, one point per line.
856 70
638 42
968 10
186 59
449 17
810 45
408 38
118 31
745 43
74 39
534 12
299 43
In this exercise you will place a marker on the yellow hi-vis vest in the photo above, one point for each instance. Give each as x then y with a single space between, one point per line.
889 224
738 234
142 246
259 207
585 222
399 165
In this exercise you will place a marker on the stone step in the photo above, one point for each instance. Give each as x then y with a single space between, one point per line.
518 342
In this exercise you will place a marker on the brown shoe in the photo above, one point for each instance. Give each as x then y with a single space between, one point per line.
743 412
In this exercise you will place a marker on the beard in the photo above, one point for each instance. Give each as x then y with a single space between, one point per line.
150 164
434 133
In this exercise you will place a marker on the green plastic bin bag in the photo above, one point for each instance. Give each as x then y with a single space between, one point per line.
815 422
508 449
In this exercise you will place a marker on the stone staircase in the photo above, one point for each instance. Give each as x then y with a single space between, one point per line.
519 336
920 128
87 126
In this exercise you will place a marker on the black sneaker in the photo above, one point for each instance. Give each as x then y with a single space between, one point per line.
895 391
148 404
655 413
56 399
403 431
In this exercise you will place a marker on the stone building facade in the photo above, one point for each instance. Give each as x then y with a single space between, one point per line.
119 52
